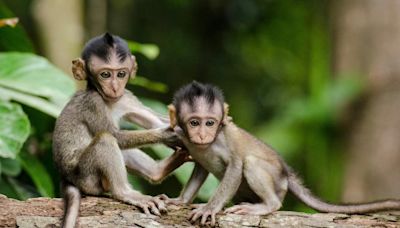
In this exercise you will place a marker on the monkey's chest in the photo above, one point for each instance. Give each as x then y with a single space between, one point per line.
213 160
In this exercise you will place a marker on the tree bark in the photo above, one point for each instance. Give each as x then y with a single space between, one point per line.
60 26
367 44
105 212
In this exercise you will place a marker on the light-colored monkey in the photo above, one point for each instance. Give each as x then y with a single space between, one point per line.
89 148
249 171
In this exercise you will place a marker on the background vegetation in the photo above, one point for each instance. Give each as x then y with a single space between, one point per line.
275 60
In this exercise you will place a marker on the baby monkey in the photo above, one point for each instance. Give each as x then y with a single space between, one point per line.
90 150
249 171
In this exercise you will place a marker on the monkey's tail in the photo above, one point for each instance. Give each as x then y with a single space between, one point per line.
72 201
297 188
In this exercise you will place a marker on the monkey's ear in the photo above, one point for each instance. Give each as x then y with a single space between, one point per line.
78 69
226 119
134 66
172 115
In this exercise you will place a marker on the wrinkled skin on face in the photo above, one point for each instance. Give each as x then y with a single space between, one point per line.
112 76
201 121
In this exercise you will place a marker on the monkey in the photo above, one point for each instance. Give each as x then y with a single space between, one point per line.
90 150
250 171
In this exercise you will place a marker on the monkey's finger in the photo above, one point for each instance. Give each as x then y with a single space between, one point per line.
145 209
196 206
212 219
195 215
205 217
189 158
160 204
232 209
242 212
163 197
154 208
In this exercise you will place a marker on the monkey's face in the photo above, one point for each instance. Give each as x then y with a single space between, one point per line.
112 76
201 122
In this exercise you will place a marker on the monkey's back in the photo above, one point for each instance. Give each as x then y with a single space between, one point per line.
247 144
71 134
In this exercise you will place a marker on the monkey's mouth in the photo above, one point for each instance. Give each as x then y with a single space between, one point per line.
201 144
109 97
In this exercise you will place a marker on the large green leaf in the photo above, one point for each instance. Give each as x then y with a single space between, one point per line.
38 173
10 167
33 81
13 39
14 129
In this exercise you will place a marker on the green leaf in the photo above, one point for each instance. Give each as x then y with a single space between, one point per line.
34 75
17 188
13 39
32 101
157 106
7 189
135 181
14 129
151 51
208 188
11 167
148 84
38 173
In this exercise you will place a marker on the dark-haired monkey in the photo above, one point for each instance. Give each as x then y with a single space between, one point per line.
248 169
89 148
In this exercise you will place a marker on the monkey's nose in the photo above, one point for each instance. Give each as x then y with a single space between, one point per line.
114 89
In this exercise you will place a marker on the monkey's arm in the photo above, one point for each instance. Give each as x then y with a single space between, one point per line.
140 163
97 121
199 175
225 191
143 115
137 138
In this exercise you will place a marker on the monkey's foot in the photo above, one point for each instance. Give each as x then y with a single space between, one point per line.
148 204
203 212
251 209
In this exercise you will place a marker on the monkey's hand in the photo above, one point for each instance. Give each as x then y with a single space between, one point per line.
170 138
174 201
182 154
150 205
204 211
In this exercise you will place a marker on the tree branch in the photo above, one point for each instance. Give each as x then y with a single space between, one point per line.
104 212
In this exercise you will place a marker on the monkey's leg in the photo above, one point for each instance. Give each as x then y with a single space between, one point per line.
260 180
72 199
138 162
102 168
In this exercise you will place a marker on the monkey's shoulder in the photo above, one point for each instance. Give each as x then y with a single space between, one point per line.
235 137
85 101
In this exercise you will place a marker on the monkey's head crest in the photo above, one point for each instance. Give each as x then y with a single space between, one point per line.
190 93
103 47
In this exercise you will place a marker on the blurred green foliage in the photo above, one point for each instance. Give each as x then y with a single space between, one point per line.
271 58
29 80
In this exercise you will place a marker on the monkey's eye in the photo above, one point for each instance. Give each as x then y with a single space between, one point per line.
210 123
105 74
194 123
121 74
